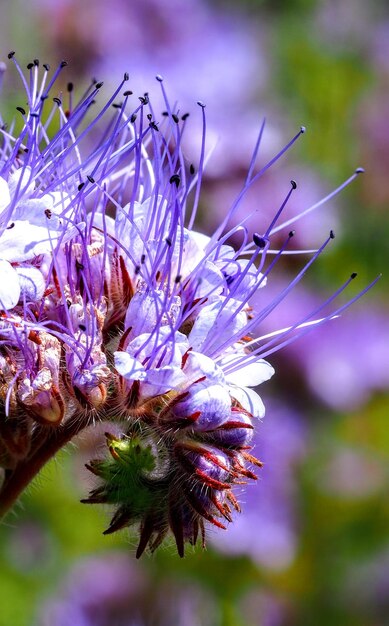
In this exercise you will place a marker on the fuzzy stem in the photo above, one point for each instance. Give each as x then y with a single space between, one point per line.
18 479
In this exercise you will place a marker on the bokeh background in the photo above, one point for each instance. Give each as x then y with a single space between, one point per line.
312 546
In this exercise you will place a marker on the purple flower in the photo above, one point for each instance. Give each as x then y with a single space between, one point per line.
107 590
114 308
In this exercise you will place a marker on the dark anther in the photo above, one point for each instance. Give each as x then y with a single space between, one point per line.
21 110
68 303
332 234
36 62
175 118
165 113
128 93
201 104
63 63
117 105
30 66
175 179
259 240
26 150
294 184
48 213
353 275
144 100
302 129
90 103
159 78
291 233
99 85
70 87
126 76
359 170
11 54
185 116
46 66
137 269
153 125
192 169
43 98
57 101
90 178
79 265
82 327
133 118
11 226
143 258
149 116
177 279
80 186
168 241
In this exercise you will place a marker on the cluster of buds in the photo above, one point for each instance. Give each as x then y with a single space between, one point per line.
113 308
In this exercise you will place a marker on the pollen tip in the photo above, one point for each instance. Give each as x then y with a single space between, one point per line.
159 78
201 104
353 275
302 129
99 85
332 234
70 87
294 184
63 64
360 170
292 233
260 240
126 76
11 54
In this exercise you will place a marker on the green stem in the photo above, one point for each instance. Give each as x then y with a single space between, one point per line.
16 481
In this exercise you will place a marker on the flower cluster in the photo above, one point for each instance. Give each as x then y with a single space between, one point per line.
114 309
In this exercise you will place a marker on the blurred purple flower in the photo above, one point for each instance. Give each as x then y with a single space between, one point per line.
112 590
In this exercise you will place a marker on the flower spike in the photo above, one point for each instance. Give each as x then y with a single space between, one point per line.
114 309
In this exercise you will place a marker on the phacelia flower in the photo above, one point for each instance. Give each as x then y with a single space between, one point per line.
114 308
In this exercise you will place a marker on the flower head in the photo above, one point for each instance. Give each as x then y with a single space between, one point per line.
115 308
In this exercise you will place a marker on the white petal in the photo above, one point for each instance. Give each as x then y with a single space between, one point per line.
25 241
216 324
198 365
32 283
248 374
5 197
161 380
211 281
249 400
128 367
9 286
23 180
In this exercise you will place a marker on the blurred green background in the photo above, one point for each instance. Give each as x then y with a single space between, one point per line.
315 548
